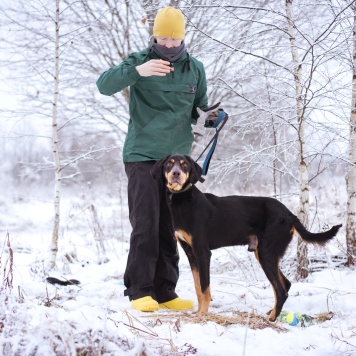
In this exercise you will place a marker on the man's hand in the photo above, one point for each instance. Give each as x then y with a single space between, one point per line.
157 67
209 115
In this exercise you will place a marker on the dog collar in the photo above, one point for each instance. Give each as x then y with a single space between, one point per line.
181 191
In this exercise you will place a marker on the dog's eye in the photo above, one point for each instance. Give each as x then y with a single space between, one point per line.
169 164
184 165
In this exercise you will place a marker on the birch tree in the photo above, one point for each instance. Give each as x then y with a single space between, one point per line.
55 147
351 177
302 252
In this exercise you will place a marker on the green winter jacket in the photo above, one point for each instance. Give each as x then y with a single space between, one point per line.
162 109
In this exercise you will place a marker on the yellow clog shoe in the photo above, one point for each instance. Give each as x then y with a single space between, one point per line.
177 304
145 304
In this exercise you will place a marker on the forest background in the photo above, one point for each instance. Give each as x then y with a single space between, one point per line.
284 71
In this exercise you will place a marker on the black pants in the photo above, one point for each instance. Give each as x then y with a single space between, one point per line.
152 263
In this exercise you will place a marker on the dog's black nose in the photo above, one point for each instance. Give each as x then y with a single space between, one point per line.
176 173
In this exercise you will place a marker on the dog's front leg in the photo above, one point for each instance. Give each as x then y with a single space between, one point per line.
193 266
203 276
197 288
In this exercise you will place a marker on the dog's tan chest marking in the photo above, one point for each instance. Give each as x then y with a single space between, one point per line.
183 236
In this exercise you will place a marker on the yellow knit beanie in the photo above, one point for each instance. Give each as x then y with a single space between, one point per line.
169 22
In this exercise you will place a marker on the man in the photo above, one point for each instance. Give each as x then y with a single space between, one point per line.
166 88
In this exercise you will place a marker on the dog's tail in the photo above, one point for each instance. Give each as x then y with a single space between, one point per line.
319 238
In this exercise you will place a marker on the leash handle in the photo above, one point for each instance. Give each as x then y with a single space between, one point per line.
221 119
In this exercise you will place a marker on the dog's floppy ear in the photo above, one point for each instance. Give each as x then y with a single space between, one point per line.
195 172
157 169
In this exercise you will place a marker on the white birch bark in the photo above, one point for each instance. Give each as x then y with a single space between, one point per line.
351 176
57 167
302 258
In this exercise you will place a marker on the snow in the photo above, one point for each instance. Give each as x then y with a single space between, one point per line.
93 318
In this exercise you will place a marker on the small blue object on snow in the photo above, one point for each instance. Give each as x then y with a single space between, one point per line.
292 319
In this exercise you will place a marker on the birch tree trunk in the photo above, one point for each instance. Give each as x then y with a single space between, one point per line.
302 252
351 177
56 160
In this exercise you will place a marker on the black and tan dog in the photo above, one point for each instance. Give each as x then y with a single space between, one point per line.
204 222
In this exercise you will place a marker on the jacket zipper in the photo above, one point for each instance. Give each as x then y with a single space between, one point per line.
172 71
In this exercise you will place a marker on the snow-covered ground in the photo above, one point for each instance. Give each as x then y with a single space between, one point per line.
94 318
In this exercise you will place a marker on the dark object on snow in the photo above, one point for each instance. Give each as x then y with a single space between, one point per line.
204 222
69 282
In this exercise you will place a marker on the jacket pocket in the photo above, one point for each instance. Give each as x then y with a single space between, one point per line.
169 97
